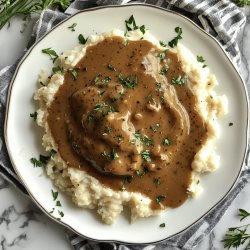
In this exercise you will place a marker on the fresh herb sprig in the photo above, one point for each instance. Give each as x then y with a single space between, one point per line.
241 3
9 9
131 25
51 53
237 236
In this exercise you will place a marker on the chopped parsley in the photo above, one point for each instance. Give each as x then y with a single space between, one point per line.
125 179
147 141
81 39
96 78
112 156
162 225
58 69
52 54
90 117
54 194
107 130
157 181
162 44
106 80
52 153
142 172
201 60
44 159
35 162
73 74
133 142
72 27
125 43
128 82
146 155
111 67
155 128
120 138
60 213
230 124
162 54
33 115
166 142
174 41
58 204
180 80
131 25
163 71
160 198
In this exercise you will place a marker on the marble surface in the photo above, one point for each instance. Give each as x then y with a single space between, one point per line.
24 226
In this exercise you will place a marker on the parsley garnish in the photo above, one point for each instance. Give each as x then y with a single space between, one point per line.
174 41
58 69
155 128
163 71
90 117
44 159
128 82
111 67
147 141
58 204
131 25
162 225
34 115
52 54
52 153
160 198
180 80
54 194
142 172
36 162
162 44
146 155
73 74
107 130
230 124
72 27
112 156
166 141
125 43
162 54
60 213
96 78
201 60
157 181
81 39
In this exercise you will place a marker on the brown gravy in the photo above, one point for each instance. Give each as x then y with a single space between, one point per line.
128 129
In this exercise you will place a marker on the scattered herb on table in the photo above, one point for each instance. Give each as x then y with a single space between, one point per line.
175 40
8 9
82 40
242 3
72 27
162 225
237 236
33 115
52 54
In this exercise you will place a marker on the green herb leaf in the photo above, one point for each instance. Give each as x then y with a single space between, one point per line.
131 25
36 162
58 204
34 115
162 225
52 153
162 44
52 54
111 67
180 80
72 27
242 3
163 71
155 128
162 55
54 194
146 155
200 59
9 9
157 181
160 198
175 41
166 142
44 159
128 82
243 214
58 69
81 39
73 73
113 155
60 213
96 78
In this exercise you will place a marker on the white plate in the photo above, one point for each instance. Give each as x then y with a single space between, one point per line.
23 137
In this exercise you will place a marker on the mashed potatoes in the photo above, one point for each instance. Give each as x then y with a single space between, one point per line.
85 190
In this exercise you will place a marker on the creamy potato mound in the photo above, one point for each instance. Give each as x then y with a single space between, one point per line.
85 190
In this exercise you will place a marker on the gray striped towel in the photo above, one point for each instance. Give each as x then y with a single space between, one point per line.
223 20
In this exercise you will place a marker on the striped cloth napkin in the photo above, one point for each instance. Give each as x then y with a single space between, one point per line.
220 18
